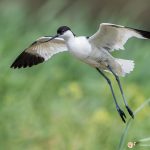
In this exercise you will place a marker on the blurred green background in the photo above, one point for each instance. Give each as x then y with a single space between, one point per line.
65 104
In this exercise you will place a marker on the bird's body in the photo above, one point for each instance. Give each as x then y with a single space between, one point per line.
95 51
88 53
79 47
97 57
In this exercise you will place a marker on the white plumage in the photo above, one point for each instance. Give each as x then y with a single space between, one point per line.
46 48
113 36
126 65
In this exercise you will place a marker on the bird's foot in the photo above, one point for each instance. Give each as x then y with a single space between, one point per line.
130 111
122 114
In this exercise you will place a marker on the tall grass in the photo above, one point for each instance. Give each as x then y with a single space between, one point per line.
126 130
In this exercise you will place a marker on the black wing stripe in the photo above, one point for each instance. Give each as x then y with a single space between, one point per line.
26 59
145 34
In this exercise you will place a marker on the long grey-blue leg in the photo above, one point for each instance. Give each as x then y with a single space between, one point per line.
122 93
121 113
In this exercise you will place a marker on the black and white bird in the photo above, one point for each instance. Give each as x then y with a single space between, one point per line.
95 51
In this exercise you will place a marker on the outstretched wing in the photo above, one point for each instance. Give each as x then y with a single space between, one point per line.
39 51
113 37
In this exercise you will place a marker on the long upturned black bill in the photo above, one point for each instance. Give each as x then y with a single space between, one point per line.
54 37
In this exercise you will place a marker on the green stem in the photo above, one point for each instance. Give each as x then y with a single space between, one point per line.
124 134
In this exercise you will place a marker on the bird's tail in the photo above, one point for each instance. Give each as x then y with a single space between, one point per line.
126 66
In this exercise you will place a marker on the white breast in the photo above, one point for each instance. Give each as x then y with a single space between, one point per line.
79 47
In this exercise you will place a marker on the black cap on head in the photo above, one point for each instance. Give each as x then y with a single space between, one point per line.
62 29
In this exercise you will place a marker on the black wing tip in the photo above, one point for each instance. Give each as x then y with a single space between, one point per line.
145 34
26 59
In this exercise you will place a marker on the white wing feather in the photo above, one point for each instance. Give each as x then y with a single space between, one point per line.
40 50
46 48
113 37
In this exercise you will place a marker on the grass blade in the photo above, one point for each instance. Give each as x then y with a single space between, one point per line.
124 134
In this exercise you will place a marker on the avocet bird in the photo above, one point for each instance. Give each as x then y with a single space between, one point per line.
95 51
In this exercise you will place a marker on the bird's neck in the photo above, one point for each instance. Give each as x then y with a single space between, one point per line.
71 37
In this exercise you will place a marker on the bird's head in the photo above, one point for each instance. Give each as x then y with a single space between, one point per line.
64 32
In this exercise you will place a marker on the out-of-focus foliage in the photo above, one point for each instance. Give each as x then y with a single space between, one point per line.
137 143
64 104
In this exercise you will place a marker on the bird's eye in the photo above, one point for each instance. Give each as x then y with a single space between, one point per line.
63 31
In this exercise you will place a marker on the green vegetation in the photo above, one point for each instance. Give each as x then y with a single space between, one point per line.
64 104
125 133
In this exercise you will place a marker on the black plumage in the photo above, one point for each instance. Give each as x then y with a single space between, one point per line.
26 59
